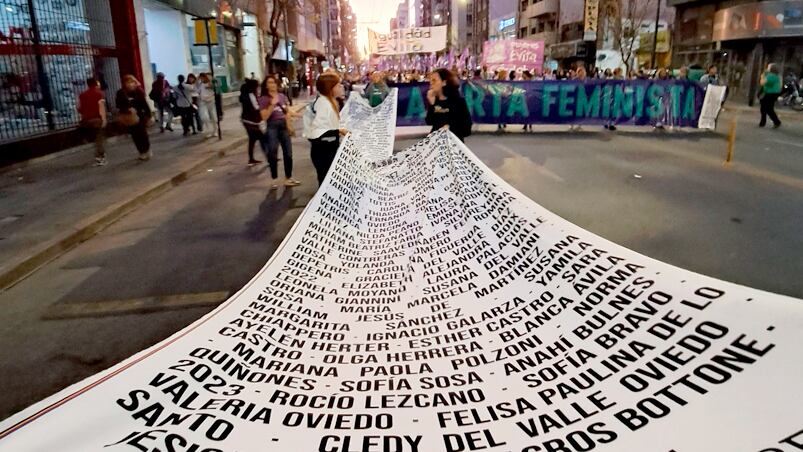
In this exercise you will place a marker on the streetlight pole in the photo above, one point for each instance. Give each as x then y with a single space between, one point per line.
655 35
208 45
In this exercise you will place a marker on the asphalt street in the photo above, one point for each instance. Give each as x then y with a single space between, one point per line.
664 194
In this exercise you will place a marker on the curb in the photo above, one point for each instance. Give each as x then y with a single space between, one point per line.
86 229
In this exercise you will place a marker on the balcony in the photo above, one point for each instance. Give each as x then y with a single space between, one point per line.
549 37
540 8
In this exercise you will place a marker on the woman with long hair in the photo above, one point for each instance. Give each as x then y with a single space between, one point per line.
447 108
192 88
251 116
206 104
278 114
322 123
135 114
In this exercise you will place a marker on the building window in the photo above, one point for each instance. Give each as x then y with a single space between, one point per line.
40 81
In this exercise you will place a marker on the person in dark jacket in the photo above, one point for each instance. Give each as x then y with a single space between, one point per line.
447 108
251 116
131 96
161 95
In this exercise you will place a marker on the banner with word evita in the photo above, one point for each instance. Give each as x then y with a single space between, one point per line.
634 102
407 40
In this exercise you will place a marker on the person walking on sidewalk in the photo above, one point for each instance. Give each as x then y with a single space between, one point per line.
446 107
251 117
768 93
322 123
278 114
185 106
162 96
92 108
206 105
135 114
192 88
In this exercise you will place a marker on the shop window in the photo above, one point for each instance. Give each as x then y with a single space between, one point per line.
40 81
199 55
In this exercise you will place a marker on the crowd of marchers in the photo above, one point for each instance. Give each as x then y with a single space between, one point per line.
268 120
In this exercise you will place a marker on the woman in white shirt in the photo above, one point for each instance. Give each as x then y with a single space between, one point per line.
206 104
322 123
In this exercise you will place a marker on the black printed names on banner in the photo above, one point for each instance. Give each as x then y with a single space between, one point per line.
422 304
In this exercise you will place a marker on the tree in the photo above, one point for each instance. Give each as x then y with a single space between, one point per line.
270 14
623 20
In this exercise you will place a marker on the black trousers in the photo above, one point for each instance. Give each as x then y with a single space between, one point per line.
323 154
139 133
768 109
199 125
187 118
254 137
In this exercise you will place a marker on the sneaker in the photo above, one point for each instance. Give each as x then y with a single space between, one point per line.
169 128
775 126
254 162
146 156
291 183
611 127
100 162
274 186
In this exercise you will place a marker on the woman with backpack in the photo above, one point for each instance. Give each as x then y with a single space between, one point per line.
251 117
322 123
277 113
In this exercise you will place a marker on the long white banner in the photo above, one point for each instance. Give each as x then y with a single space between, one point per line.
423 304
407 40
373 129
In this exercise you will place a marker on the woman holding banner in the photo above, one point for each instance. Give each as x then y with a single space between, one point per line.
447 108
322 123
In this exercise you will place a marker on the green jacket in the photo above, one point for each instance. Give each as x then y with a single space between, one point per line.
772 83
376 93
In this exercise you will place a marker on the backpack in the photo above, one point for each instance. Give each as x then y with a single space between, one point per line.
309 115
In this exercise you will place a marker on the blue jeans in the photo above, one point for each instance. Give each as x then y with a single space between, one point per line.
277 134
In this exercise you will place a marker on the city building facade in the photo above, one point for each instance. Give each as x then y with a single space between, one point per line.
49 53
480 25
502 20
560 25
457 39
402 19
741 38
416 13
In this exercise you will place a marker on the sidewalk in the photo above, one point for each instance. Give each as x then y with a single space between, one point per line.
741 108
54 203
